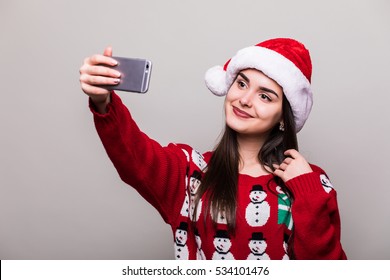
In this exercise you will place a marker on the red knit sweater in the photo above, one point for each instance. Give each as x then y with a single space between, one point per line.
167 177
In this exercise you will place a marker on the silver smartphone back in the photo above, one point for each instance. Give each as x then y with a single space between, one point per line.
135 74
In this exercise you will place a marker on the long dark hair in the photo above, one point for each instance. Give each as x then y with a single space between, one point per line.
221 177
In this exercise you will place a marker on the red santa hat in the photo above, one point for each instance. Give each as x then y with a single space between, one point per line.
284 60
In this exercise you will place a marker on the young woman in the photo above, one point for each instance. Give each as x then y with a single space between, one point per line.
254 196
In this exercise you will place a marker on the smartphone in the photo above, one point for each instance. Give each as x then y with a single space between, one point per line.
135 74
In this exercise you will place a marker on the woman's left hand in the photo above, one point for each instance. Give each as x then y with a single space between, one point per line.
292 166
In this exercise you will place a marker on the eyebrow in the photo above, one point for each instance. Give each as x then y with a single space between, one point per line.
262 88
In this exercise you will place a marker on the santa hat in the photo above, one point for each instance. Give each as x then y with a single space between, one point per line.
284 60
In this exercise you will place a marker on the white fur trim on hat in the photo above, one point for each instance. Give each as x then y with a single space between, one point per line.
216 80
296 86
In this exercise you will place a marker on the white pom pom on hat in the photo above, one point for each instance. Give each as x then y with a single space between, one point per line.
284 60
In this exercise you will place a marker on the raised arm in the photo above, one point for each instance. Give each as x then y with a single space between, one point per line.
157 173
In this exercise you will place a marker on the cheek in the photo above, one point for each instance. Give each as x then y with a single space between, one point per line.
226 105
270 112
229 98
277 116
232 95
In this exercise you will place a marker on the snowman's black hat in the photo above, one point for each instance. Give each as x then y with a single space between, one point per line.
196 174
221 234
257 236
257 188
183 226
196 231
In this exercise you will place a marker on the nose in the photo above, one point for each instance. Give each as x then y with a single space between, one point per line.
246 99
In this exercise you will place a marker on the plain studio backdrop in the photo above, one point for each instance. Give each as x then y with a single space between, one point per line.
60 196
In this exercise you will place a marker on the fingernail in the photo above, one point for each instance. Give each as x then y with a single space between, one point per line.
117 81
118 74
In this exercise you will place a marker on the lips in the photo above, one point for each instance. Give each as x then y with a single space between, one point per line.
241 113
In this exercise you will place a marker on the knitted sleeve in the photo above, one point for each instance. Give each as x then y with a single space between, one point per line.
317 227
157 173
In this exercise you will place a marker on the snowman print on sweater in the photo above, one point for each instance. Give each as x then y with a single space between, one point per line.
222 245
194 185
186 205
199 253
326 184
257 245
221 217
258 210
285 247
181 236
198 160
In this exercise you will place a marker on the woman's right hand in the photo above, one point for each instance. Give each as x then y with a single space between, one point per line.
96 72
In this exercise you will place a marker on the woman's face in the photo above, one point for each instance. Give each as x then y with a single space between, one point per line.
253 104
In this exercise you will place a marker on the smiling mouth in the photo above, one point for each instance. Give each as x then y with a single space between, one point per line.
219 248
178 240
241 113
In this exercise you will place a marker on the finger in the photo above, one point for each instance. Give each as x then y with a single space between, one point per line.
93 90
108 51
292 153
283 166
100 71
278 173
100 59
288 160
98 80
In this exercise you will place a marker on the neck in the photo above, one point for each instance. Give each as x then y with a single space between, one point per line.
249 148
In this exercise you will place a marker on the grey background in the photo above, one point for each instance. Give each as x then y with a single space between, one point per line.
61 198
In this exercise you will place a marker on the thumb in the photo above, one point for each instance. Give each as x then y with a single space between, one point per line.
108 51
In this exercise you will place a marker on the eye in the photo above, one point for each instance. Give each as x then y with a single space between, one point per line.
241 84
265 97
